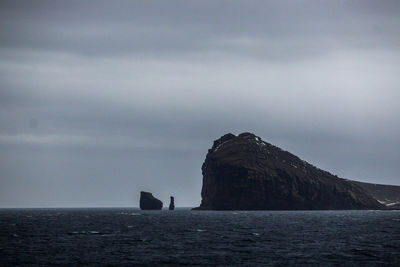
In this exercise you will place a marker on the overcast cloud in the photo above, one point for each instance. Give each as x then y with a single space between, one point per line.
100 100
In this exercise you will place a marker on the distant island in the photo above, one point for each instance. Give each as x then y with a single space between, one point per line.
246 173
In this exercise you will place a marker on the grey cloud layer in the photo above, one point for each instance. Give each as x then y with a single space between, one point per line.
155 27
129 96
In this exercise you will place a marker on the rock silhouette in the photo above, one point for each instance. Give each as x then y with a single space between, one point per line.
149 202
245 173
171 203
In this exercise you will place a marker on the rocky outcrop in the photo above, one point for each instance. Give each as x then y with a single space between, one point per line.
393 206
245 173
171 203
388 195
149 202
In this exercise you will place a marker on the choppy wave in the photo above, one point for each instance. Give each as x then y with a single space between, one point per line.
183 237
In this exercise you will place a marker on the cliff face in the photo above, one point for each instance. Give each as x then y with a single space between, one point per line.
149 202
245 173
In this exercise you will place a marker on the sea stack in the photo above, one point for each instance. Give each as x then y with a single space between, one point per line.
246 173
171 203
149 202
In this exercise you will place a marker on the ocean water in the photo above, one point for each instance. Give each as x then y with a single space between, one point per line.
185 237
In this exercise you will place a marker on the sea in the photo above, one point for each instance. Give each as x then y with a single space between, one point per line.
131 237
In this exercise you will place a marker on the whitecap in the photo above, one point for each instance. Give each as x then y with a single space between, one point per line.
74 233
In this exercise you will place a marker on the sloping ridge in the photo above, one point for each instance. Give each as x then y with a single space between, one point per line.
245 173
385 194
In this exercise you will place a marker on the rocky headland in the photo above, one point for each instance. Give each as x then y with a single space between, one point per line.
246 173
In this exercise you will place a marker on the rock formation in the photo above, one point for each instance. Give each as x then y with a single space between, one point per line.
171 203
245 173
149 202
388 195
393 206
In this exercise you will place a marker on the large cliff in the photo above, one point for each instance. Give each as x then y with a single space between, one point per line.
245 173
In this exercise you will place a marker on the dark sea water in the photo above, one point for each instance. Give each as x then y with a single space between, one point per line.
184 237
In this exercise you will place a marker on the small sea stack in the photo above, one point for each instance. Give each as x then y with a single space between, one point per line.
149 202
171 204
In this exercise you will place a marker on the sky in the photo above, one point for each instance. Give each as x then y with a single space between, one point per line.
101 100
